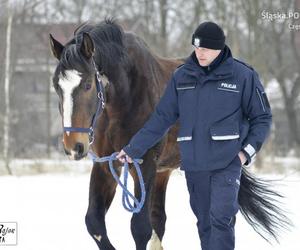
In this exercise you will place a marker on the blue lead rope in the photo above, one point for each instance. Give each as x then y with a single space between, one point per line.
126 195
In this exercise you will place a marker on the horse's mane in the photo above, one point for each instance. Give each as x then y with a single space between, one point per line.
109 47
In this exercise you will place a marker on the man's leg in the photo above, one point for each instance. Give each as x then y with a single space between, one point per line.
199 189
224 205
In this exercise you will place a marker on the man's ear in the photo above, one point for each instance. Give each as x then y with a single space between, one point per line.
87 46
56 47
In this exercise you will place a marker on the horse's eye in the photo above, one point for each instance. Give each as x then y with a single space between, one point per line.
88 86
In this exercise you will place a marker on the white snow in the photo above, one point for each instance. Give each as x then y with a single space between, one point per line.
50 212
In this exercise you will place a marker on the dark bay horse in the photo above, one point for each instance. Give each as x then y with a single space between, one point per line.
132 81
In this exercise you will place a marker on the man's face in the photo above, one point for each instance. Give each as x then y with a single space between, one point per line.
206 56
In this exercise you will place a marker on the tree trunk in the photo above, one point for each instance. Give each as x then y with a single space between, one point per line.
290 104
293 123
6 90
163 26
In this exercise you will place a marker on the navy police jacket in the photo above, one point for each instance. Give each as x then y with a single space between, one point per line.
220 113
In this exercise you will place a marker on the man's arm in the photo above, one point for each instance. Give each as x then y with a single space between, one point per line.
257 109
165 114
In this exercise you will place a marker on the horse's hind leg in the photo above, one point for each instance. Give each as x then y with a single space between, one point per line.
158 213
102 191
141 228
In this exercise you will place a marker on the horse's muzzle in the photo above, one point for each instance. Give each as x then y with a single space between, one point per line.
77 153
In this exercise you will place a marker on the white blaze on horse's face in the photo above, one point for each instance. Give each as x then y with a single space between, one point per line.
68 83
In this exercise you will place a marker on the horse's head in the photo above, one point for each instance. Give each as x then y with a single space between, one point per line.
80 89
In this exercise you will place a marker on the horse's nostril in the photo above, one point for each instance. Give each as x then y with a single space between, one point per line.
79 148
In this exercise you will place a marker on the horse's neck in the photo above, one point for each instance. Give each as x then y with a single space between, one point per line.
125 114
136 91
140 88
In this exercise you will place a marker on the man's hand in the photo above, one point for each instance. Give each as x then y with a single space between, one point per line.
122 156
243 158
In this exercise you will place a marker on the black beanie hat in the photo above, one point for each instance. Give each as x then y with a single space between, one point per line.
209 35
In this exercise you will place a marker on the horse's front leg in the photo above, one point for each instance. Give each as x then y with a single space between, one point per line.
102 191
141 228
158 213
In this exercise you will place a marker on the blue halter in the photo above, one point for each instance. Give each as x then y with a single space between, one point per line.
100 108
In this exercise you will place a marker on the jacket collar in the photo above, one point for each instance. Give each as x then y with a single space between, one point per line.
225 69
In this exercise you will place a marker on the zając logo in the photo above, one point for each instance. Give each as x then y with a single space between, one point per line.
8 233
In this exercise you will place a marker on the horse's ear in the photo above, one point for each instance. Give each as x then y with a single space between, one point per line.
56 47
87 46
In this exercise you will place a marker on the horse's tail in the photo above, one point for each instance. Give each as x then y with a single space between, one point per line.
260 206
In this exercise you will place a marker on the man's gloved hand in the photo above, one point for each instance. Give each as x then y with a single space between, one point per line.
122 156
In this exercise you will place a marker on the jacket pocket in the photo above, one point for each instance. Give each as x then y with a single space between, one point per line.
225 143
263 99
186 145
185 132
186 86
187 103
223 131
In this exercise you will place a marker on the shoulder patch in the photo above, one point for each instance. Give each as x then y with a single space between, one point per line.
246 64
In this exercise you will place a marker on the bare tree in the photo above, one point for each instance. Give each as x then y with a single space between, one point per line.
6 88
285 68
163 7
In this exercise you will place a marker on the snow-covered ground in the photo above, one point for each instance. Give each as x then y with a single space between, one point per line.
50 212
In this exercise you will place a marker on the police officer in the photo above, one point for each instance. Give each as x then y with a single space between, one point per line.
224 117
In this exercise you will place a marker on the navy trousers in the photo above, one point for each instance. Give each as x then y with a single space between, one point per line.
214 201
